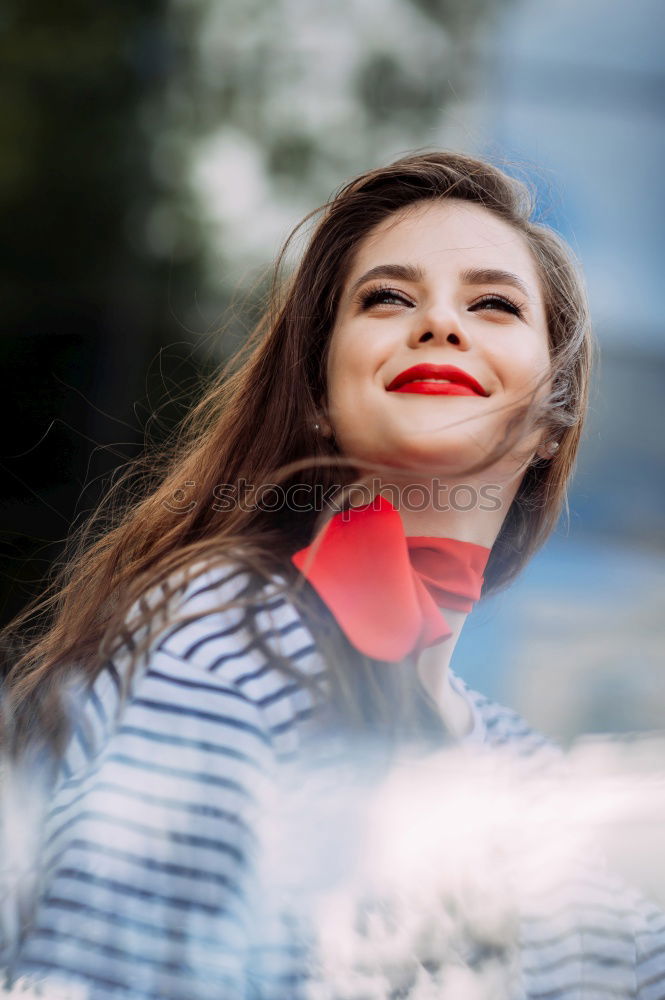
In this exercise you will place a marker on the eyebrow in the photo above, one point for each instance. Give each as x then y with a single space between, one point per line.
415 274
494 276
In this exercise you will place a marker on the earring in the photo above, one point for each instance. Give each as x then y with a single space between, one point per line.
316 428
553 447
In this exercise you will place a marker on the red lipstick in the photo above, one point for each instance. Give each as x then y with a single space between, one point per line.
419 379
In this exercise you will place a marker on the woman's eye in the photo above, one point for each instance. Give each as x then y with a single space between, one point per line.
383 296
491 302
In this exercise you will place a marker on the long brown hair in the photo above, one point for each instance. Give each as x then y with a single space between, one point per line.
250 423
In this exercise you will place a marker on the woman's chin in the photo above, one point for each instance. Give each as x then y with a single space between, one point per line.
452 456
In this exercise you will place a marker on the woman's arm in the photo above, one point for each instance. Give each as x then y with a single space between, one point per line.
149 854
152 838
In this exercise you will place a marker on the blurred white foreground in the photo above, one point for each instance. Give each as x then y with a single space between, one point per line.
415 884
419 889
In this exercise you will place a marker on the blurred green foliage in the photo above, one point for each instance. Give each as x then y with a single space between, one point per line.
153 155
85 303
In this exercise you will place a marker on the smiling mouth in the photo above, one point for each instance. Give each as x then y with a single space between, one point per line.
436 387
443 380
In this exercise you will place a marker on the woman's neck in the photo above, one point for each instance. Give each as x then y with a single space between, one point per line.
433 668
469 510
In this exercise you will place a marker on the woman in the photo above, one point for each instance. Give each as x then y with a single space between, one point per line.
430 355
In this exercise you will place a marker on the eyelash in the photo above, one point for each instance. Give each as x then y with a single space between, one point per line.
509 305
377 296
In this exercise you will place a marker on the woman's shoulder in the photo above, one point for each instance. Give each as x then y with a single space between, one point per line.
586 920
222 650
241 631
218 615
497 726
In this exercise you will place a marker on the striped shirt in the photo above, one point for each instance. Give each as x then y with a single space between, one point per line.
148 885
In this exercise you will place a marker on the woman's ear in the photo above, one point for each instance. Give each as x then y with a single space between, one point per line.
548 449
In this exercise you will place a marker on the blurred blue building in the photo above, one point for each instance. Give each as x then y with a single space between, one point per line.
573 95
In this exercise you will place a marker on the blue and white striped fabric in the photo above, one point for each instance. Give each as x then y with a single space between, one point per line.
148 885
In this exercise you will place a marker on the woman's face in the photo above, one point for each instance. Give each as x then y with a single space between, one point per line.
439 284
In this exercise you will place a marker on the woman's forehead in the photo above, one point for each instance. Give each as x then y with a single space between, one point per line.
443 235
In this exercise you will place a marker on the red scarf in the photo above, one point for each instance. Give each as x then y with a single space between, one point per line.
385 589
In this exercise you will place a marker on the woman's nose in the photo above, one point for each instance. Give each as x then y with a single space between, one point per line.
441 326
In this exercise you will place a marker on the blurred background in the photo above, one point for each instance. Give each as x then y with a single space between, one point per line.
153 157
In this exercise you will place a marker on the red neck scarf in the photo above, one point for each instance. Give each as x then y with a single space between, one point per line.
385 589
